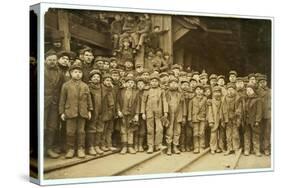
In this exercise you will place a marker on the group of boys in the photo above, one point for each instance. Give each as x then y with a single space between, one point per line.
98 104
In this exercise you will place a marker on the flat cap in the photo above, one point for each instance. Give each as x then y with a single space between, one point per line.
162 74
99 58
106 75
213 76
233 72
176 66
231 85
216 89
221 77
154 76
173 80
75 66
95 71
198 85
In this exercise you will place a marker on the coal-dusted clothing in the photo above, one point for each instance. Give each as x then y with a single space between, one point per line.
177 112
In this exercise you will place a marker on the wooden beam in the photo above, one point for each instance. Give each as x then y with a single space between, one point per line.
179 33
184 23
220 31
63 24
91 36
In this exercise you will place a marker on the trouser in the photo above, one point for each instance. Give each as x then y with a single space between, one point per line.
106 138
94 128
116 135
217 138
51 125
247 137
199 134
232 135
154 131
75 126
256 131
127 133
140 133
186 136
173 131
207 134
266 134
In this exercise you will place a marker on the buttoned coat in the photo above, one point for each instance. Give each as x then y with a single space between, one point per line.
253 110
197 109
154 103
75 99
176 105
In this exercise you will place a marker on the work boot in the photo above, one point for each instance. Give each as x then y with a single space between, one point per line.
246 153
136 148
92 151
150 149
123 150
196 150
176 150
69 154
218 151
104 148
141 148
169 150
98 150
228 152
187 149
52 154
81 153
258 154
182 148
132 150
266 152
111 148
213 152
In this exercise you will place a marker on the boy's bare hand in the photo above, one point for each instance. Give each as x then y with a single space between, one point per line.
136 118
143 116
120 114
89 115
62 117
166 115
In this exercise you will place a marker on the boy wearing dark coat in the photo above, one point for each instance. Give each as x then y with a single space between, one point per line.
75 108
95 125
176 117
197 116
232 108
126 109
253 120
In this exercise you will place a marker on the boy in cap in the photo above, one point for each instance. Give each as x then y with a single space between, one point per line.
126 110
95 125
252 79
203 78
129 66
197 112
143 28
186 129
154 107
215 119
213 80
232 76
53 81
265 94
139 69
108 113
196 76
253 121
113 63
164 80
232 108
98 63
221 84
75 108
176 68
177 116
140 133
153 39
193 82
63 64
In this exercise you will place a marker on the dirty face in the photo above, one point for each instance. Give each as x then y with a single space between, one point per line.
140 85
250 91
207 92
252 81
232 78
231 91
185 86
173 85
199 91
213 82
115 76
51 61
130 84
95 78
88 57
64 61
154 83
76 74
239 84
263 83
204 80
221 82
107 82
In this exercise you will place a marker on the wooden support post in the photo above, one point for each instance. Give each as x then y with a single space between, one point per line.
63 24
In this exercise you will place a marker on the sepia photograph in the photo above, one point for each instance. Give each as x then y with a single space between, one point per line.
130 93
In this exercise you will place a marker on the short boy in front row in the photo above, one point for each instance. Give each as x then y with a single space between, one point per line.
75 108
154 107
197 113
177 116
126 109
215 119
232 109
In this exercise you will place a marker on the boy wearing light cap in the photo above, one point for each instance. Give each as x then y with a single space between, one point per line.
126 110
231 109
177 116
232 76
154 107
75 108
197 114
215 119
